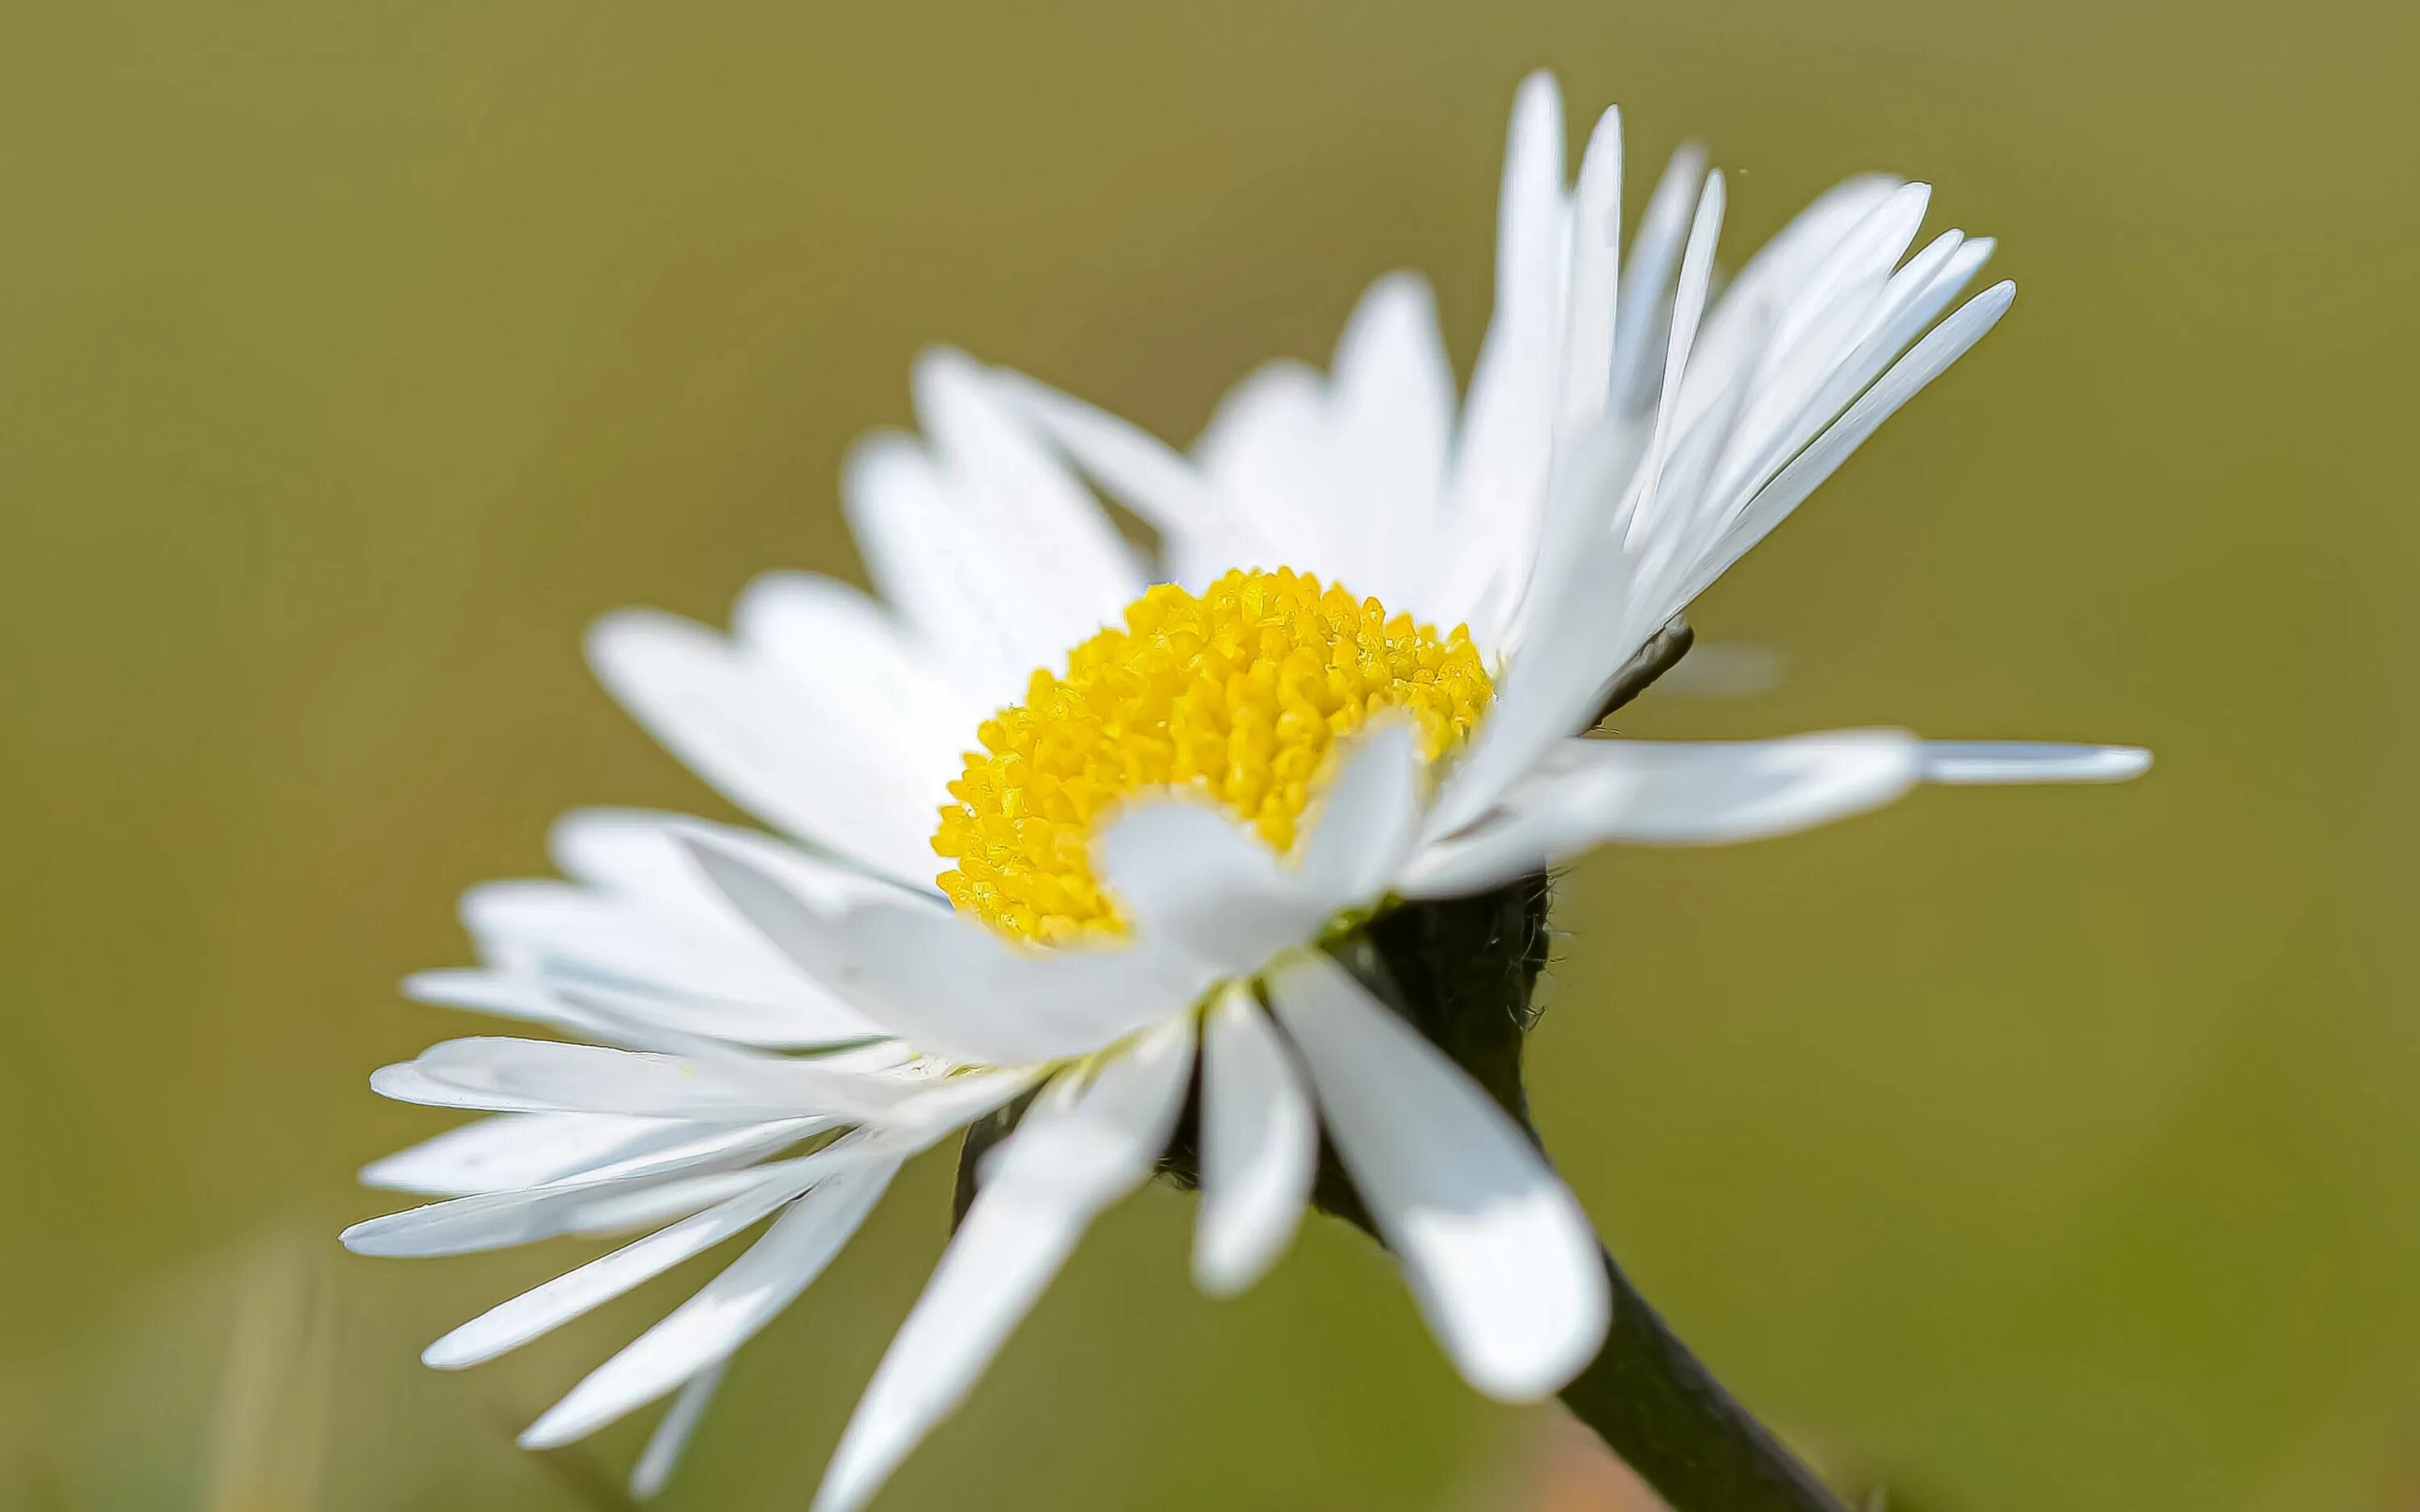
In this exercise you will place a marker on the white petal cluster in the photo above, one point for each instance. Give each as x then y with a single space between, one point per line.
763 1028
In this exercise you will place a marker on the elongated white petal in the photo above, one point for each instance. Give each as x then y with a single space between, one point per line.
746 729
620 1209
484 1220
947 984
1978 762
1594 280
1260 1147
685 973
1533 705
1506 447
1367 821
665 1445
726 1312
1145 474
1024 503
843 650
511 1324
1703 794
405 1082
1944 344
1388 427
1498 1252
927 547
494 1220
494 1072
1189 873
1646 280
518 1149
1079 1148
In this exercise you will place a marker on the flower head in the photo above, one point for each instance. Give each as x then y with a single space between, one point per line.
1358 675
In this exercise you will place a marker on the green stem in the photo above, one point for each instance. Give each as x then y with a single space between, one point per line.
1653 1404
1461 972
1660 1409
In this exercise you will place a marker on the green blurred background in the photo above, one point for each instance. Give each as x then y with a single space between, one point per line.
2025 1151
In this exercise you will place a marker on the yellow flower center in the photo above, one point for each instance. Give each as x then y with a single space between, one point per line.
1241 694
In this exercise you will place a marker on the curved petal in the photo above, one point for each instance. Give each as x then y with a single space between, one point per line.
511 1151
1064 547
1389 425
1189 875
1079 1148
1507 438
504 1074
946 984
1976 762
1368 820
1150 477
497 1220
1684 793
511 1324
726 1312
1260 1147
1497 1252
857 780
671 1437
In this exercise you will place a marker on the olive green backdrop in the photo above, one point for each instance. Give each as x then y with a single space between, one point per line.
2027 1149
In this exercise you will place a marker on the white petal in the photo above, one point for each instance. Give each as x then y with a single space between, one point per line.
508 1075
1497 1252
924 547
726 1312
1188 874
407 1083
864 785
1653 793
1368 820
947 984
1389 423
1963 762
516 992
1582 618
1078 1149
1145 474
1536 701
1594 280
1944 344
1684 793
1715 793
850 658
1021 503
1266 451
626 1208
1689 296
1260 1147
1778 270
1794 406
683 972
665 1445
511 1324
1506 445
518 1149
1646 281
496 1220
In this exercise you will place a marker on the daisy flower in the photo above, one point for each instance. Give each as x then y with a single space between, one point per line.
1359 674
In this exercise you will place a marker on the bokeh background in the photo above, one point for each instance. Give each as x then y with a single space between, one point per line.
2022 1150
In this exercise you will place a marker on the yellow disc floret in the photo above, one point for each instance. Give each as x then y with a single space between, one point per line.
1240 694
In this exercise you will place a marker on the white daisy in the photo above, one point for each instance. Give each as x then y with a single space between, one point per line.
1153 835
